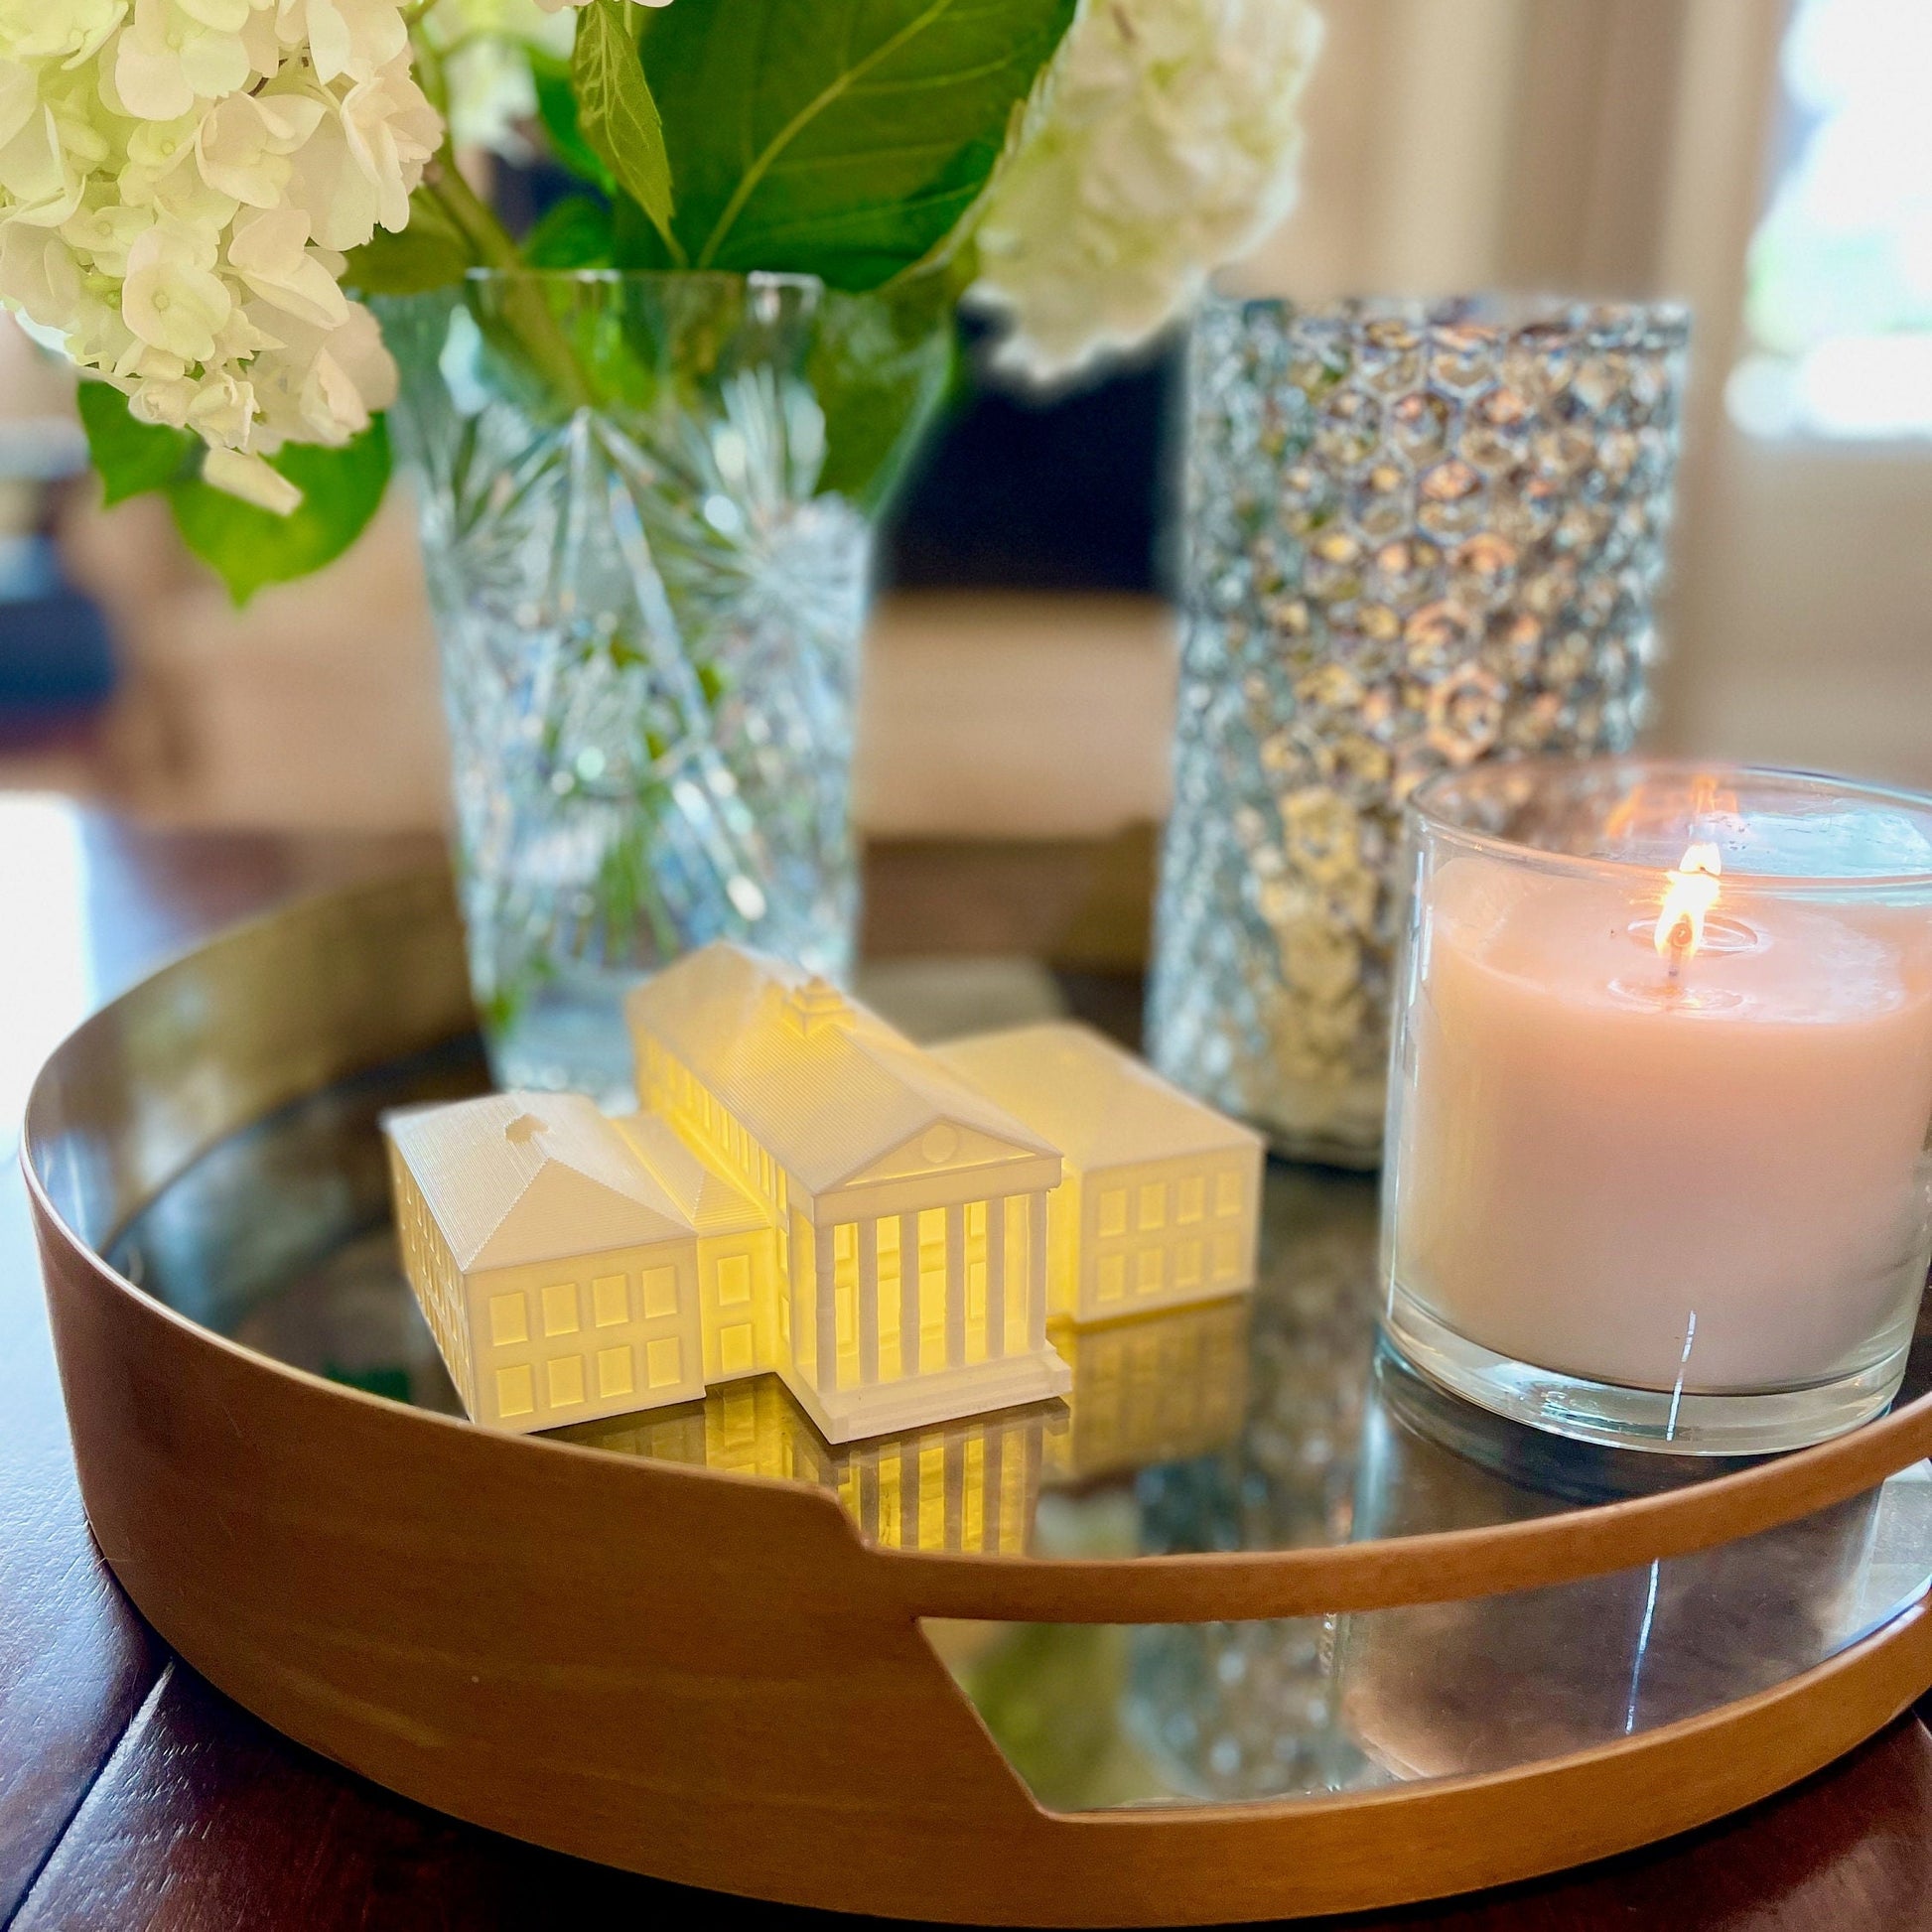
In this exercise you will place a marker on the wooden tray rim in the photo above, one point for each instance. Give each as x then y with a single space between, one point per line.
976 1849
1203 1586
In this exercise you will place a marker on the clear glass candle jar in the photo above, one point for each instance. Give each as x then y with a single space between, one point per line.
1659 1100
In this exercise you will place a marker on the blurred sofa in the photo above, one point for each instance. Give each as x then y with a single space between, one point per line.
985 716
1012 761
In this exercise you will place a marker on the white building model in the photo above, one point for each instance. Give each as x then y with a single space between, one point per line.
1161 1197
806 1193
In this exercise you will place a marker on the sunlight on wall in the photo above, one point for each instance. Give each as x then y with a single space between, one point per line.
46 977
1839 299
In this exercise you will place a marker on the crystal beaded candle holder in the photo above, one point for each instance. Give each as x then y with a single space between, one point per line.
1659 1100
1417 535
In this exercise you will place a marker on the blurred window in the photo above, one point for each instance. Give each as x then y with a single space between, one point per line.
1839 308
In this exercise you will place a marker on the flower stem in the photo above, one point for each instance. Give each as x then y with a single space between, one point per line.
473 221
524 305
426 60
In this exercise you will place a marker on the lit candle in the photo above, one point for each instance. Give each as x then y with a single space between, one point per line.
1662 1131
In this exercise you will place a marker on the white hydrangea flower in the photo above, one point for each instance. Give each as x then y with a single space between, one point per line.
1163 145
177 182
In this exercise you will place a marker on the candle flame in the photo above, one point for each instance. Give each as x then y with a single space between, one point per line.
1689 895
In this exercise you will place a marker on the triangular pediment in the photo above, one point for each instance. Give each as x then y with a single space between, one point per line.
564 1211
943 1147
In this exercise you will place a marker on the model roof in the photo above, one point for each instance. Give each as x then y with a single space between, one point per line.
515 1177
712 1203
1102 1105
824 1085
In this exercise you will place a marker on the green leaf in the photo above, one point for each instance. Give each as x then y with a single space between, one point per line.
881 365
131 456
840 138
430 253
572 234
557 110
249 547
615 110
634 240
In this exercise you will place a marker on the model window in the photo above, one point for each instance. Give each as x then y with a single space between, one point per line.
661 1294
734 1281
610 1301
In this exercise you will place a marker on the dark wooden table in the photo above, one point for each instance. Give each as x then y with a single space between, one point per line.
132 1795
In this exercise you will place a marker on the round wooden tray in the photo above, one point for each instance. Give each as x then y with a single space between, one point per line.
722 1679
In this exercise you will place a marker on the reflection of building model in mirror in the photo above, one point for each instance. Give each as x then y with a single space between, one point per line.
806 1191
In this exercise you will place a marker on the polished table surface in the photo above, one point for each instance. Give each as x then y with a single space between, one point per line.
133 1795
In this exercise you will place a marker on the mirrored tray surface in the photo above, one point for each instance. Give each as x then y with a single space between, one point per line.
1266 1421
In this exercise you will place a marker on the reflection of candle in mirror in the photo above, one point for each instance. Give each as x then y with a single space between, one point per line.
1667 1139
1438 1689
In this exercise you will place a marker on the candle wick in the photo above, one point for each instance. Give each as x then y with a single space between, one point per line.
1681 936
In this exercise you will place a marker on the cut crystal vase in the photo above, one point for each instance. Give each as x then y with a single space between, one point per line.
644 526
1417 535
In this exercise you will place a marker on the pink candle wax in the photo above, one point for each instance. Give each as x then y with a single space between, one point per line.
1715 1182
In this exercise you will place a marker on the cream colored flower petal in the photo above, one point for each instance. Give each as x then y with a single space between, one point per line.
269 252
218 16
164 399
38 274
173 222
234 151
248 476
170 300
1163 144
223 411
